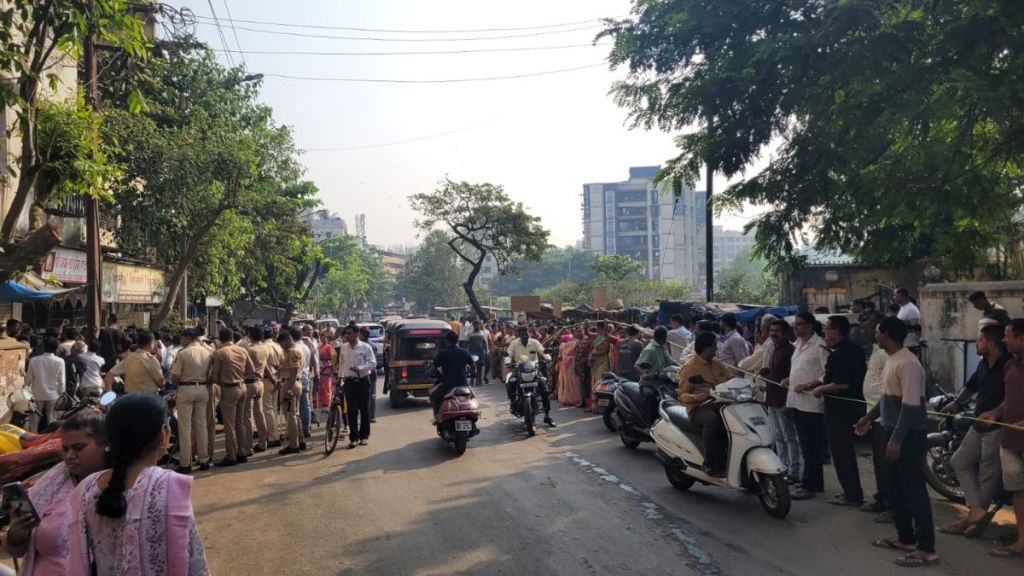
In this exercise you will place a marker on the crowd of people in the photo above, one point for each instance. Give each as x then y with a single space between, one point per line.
823 384
266 384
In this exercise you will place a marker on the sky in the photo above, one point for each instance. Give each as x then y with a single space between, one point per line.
368 146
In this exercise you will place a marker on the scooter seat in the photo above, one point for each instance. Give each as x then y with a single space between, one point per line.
459 391
681 419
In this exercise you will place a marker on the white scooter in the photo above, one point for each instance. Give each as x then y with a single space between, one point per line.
752 462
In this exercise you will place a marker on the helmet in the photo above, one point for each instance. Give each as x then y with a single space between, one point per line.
527 371
22 401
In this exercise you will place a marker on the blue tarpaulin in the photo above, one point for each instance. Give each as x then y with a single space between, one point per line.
778 311
11 291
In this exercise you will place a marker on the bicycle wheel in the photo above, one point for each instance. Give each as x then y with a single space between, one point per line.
333 429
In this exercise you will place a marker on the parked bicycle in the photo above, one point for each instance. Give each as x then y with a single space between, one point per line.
335 419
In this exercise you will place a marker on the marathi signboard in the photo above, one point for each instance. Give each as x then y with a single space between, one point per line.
12 377
127 284
68 266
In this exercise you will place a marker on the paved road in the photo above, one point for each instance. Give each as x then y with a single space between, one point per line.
569 501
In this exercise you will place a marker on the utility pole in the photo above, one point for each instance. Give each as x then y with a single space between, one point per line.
709 251
93 257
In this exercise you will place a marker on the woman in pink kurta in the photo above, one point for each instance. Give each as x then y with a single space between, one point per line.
326 388
43 547
135 519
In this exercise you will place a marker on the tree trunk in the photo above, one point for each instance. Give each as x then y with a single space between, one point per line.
471 294
191 249
29 251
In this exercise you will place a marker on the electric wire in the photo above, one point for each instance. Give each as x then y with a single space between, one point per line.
407 31
433 81
220 32
231 21
419 52
380 39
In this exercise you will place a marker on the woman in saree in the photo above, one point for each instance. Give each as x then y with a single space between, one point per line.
327 357
569 382
136 518
43 545
601 358
580 363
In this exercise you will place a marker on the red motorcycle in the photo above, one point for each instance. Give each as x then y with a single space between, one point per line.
457 417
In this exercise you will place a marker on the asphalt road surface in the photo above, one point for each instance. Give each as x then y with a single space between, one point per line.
571 500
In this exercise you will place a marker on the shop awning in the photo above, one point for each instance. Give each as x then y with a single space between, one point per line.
11 291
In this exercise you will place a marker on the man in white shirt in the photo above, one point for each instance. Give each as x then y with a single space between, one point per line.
910 314
355 362
90 382
45 377
807 372
679 337
464 330
524 349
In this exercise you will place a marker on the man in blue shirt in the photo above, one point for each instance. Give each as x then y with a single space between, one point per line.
451 363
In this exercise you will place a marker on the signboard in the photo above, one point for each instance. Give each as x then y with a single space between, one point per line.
127 284
525 304
12 376
69 266
556 307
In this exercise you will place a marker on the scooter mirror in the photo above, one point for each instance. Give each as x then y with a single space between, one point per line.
108 398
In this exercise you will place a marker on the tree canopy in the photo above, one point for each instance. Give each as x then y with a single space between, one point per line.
616 267
746 281
483 222
898 122
432 276
557 265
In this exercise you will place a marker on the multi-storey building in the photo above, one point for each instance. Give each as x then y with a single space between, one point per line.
325 224
728 244
645 222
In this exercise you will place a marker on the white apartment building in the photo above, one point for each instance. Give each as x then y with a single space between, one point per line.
728 244
325 224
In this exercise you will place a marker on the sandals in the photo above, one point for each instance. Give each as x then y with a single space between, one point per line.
915 560
893 544
976 529
1006 552
842 501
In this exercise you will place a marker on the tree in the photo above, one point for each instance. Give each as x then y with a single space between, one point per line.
433 275
899 121
35 37
484 221
202 150
745 281
616 267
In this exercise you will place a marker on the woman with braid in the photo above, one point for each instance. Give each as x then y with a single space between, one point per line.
136 518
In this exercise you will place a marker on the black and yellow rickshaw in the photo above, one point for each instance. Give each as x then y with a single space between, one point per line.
412 345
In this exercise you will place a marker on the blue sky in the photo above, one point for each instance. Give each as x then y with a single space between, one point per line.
541 138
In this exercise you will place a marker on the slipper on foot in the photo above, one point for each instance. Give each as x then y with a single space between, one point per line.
891 544
916 559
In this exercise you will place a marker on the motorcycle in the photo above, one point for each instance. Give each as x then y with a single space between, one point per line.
752 463
458 412
457 417
604 392
636 406
525 404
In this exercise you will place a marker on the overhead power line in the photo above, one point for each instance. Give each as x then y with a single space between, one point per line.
433 81
220 32
380 39
407 31
420 52
235 33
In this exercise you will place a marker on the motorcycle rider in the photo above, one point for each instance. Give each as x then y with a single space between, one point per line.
694 396
452 362
655 356
520 350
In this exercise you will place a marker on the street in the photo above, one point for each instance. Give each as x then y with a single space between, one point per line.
571 500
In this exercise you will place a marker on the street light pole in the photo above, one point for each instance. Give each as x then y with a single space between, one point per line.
709 238
93 258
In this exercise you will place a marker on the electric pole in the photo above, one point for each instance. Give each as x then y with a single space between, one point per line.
709 251
92 208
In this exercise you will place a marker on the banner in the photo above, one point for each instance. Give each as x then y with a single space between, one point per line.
127 284
525 304
68 266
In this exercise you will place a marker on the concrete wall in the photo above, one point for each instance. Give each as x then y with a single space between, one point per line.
808 287
946 313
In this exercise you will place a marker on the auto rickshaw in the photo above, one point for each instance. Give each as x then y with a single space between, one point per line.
412 345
